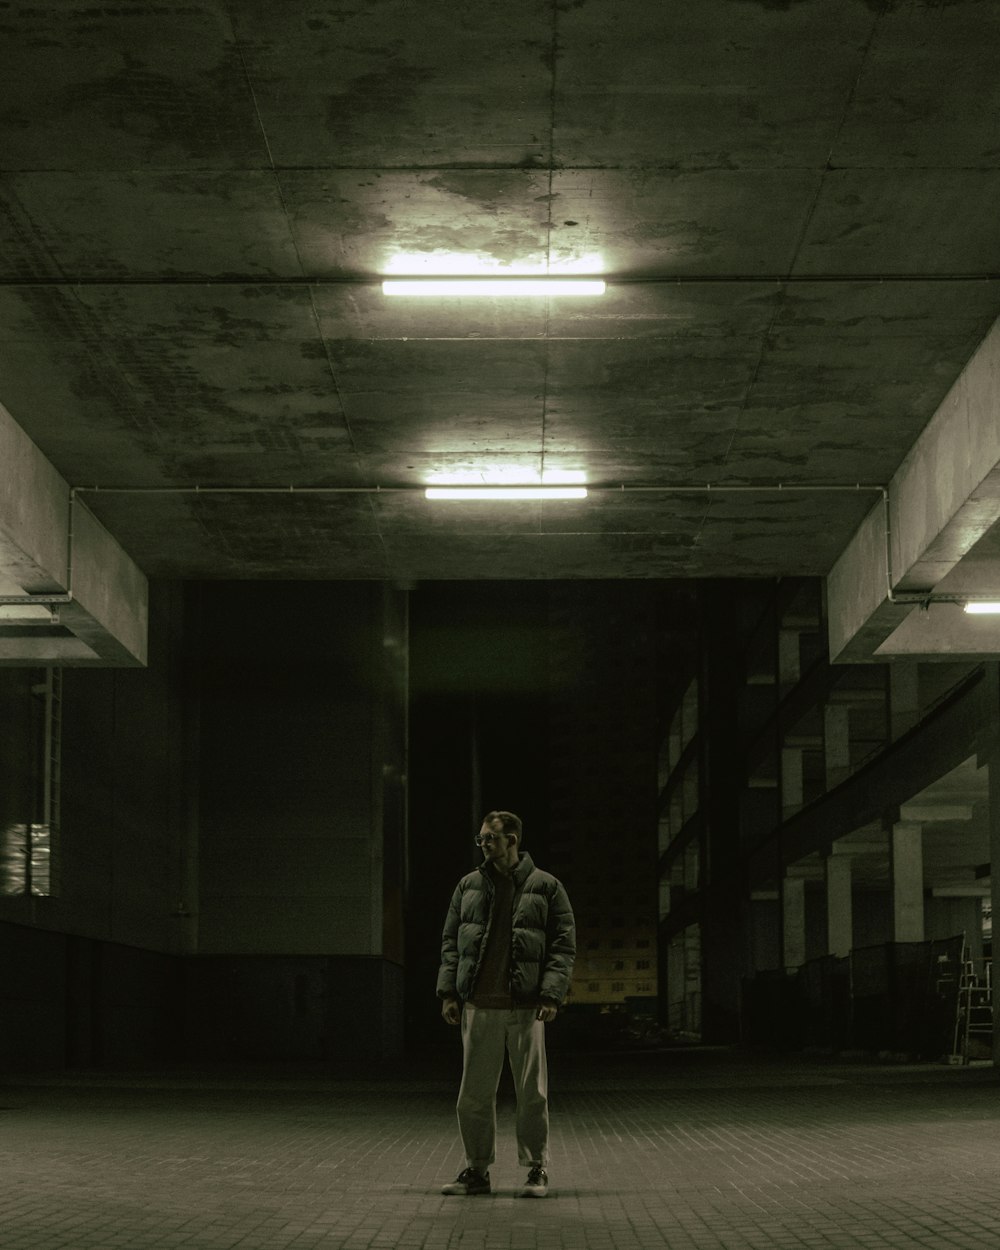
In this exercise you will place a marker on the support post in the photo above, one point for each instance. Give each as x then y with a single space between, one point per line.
837 743
791 781
904 698
993 766
907 867
839 905
789 657
793 913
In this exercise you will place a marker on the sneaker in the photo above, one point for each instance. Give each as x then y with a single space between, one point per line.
469 1182
537 1184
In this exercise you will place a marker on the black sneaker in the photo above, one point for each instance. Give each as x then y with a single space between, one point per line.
469 1182
537 1184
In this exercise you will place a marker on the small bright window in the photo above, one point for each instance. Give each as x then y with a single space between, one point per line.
28 847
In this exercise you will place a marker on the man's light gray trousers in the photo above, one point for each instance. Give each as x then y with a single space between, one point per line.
487 1033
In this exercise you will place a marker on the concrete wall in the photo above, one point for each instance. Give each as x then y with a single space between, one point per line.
263 1007
122 843
91 972
291 777
73 1001
266 739
302 696
20 736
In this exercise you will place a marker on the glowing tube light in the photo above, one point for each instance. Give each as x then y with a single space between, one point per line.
983 608
506 492
476 287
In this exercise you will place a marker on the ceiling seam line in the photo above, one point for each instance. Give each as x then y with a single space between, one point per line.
554 60
547 322
346 421
494 167
263 134
744 405
829 167
298 257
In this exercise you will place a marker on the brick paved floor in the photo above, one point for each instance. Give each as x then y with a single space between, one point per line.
686 1150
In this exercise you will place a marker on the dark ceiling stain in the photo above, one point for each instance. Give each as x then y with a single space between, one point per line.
375 100
162 112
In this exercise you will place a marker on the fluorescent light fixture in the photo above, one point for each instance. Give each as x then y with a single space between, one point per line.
507 475
507 482
476 287
983 607
506 492
444 264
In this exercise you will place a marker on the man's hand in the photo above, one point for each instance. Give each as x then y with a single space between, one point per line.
546 1012
451 1011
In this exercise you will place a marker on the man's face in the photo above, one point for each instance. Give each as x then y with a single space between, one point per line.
493 842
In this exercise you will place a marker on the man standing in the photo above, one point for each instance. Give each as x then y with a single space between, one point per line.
507 956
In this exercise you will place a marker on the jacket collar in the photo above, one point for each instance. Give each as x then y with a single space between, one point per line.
525 867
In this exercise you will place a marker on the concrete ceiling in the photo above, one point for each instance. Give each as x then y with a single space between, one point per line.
795 204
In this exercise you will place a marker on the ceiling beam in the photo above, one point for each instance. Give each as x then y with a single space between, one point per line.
57 559
944 497
928 812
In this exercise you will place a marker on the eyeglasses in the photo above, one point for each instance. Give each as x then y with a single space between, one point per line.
483 838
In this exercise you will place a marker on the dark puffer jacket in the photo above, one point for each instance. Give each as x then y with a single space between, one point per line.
543 942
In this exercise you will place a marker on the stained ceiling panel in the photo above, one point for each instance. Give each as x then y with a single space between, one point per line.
125 87
716 85
400 84
794 205
157 226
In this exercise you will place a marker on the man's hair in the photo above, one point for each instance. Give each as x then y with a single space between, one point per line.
508 822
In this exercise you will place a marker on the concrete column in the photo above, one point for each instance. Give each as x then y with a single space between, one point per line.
907 867
837 743
791 780
839 905
665 832
788 657
994 820
692 865
692 979
676 983
904 697
793 911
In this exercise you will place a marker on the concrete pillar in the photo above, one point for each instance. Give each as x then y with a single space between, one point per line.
837 743
788 657
994 822
791 781
793 912
692 979
665 897
839 905
692 865
676 983
904 698
907 868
